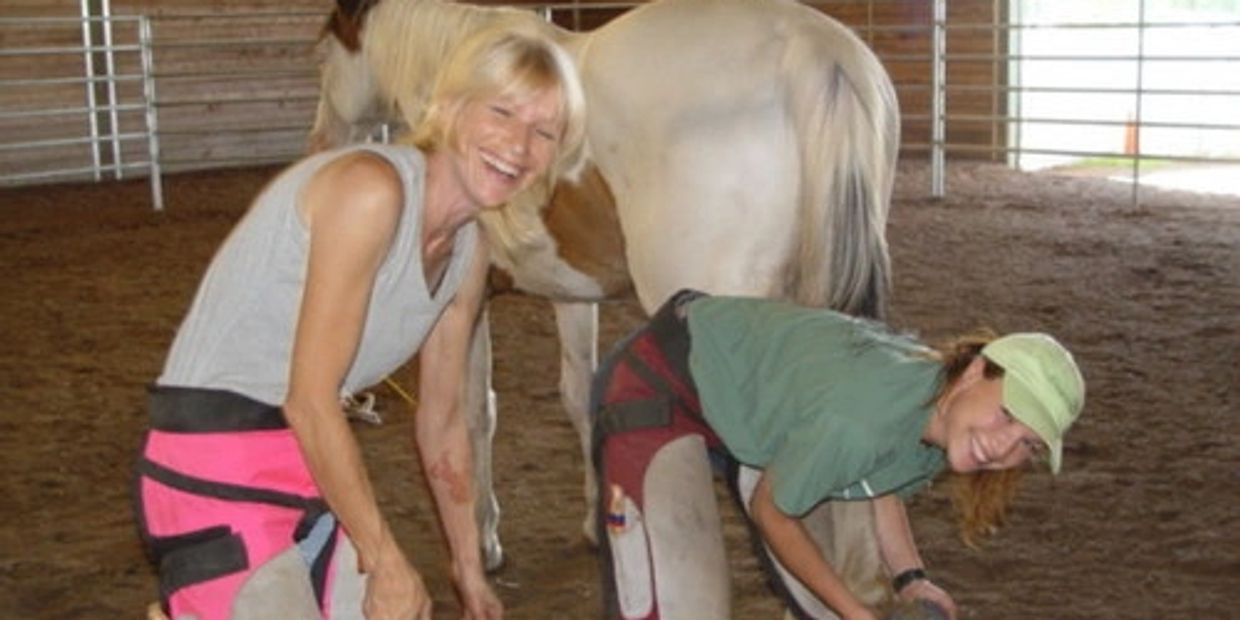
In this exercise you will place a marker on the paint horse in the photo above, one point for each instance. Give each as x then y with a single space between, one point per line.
740 147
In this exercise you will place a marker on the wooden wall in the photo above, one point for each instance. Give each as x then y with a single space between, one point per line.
252 99
906 55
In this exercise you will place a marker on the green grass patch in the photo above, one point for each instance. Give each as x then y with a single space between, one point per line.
1124 163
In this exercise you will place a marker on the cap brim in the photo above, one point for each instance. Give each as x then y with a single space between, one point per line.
1024 406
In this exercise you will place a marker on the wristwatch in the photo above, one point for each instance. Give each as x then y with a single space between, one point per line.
901 581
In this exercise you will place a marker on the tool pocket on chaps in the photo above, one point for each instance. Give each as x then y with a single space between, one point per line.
626 534
198 557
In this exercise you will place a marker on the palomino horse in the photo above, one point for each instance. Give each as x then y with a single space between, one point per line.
740 147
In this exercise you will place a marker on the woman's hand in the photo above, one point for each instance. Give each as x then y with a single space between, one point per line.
477 598
394 591
928 590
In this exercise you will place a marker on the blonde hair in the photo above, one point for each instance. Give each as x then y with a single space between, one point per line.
981 498
512 62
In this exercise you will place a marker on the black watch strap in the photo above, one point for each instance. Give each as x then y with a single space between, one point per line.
906 577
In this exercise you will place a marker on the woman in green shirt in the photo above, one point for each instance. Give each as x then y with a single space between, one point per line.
822 406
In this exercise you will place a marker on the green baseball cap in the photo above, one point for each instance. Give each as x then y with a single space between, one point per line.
1042 386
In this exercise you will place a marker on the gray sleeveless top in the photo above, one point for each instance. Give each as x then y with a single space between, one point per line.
238 334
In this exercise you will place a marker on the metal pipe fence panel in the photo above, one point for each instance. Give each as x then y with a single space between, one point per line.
1121 87
71 99
1151 89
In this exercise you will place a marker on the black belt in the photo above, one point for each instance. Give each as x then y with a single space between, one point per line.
198 410
669 331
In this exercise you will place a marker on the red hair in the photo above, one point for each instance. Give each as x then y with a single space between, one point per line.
981 499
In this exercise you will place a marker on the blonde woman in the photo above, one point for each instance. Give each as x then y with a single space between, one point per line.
253 497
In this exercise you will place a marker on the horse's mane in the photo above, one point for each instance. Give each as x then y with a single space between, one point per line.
407 41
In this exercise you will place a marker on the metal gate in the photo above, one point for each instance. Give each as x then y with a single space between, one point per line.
78 109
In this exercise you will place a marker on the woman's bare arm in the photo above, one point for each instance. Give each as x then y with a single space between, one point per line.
351 208
443 435
795 549
899 551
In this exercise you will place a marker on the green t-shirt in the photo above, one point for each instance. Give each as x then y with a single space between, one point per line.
830 406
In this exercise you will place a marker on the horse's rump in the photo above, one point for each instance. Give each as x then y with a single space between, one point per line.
758 160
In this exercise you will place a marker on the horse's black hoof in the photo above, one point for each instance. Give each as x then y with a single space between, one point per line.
919 609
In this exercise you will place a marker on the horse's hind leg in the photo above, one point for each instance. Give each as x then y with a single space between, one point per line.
578 327
577 324
480 415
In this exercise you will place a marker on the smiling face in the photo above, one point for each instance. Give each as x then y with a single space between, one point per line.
975 429
504 143
506 109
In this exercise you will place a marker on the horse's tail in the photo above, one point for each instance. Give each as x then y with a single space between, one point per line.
849 124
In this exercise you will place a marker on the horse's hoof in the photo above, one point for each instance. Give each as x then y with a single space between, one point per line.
493 556
589 529
919 609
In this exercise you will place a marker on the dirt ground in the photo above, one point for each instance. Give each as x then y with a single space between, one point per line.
1143 523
